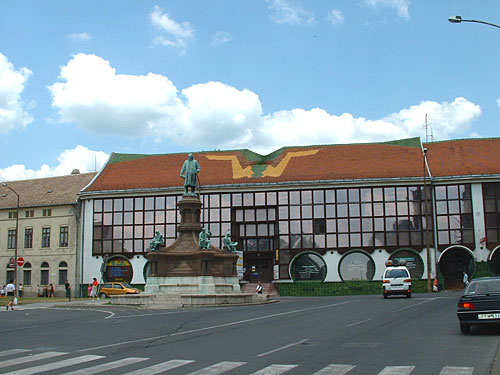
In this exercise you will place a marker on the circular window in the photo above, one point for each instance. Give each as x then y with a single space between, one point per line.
413 262
356 265
118 269
308 267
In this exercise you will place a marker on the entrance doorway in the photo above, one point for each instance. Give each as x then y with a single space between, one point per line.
452 265
258 267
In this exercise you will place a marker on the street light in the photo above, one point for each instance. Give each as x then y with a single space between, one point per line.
426 210
459 19
17 234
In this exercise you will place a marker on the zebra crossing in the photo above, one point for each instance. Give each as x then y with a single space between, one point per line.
12 360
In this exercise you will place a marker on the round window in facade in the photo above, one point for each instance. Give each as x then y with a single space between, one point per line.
118 269
308 267
414 262
356 265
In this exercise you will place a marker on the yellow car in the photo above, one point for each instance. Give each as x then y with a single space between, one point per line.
116 289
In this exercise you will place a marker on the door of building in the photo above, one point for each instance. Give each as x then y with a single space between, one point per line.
258 267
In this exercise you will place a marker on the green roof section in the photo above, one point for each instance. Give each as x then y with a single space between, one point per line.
259 161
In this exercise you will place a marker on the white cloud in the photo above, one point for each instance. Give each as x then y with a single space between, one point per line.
221 37
335 16
401 6
178 33
12 83
284 12
95 97
80 158
80 37
214 115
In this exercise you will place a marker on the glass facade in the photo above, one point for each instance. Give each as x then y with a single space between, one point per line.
454 215
491 194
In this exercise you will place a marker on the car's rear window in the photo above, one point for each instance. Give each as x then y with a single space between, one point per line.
483 287
390 274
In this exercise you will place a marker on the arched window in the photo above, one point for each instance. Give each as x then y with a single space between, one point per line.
44 274
413 261
63 273
27 274
308 266
356 265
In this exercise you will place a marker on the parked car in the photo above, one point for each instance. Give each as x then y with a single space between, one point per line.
480 303
116 289
396 279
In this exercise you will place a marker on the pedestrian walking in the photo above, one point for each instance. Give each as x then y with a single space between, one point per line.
465 279
51 290
93 292
67 287
20 290
10 290
259 288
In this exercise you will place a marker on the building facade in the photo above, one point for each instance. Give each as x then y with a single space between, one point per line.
42 228
332 215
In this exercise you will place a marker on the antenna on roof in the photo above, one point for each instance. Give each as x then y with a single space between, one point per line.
428 131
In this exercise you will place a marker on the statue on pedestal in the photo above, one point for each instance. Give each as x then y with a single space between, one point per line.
189 170
157 241
204 242
229 244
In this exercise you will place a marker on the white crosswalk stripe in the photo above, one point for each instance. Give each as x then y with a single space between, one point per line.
156 369
52 360
274 370
397 370
448 370
335 370
55 365
218 368
6 353
107 366
31 358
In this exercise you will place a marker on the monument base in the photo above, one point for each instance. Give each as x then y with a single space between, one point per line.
192 285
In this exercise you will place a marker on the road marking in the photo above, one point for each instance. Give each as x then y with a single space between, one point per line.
274 370
218 368
30 358
107 366
416 304
18 329
360 322
397 370
156 369
13 351
335 370
448 370
281 348
215 326
55 365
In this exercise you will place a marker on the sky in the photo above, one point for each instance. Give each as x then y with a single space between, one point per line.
82 79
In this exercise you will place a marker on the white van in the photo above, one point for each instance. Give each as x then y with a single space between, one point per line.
396 279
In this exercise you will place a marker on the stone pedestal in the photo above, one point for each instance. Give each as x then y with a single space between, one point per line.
185 268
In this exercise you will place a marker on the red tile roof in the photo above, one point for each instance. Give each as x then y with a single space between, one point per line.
398 159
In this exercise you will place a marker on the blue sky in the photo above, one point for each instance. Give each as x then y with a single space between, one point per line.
82 79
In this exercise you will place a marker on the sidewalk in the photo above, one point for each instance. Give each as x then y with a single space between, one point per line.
35 303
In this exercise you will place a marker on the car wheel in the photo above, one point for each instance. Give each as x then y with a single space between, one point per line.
464 328
103 295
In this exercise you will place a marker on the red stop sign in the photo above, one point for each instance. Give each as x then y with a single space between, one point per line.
20 261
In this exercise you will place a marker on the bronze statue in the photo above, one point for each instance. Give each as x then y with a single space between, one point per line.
189 170
229 244
157 241
204 241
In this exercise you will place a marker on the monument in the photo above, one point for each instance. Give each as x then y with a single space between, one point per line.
191 264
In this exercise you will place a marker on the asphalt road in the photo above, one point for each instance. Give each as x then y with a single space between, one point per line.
337 335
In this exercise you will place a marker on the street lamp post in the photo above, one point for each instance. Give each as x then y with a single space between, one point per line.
426 215
17 234
459 19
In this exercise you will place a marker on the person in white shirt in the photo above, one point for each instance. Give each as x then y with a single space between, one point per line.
10 290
